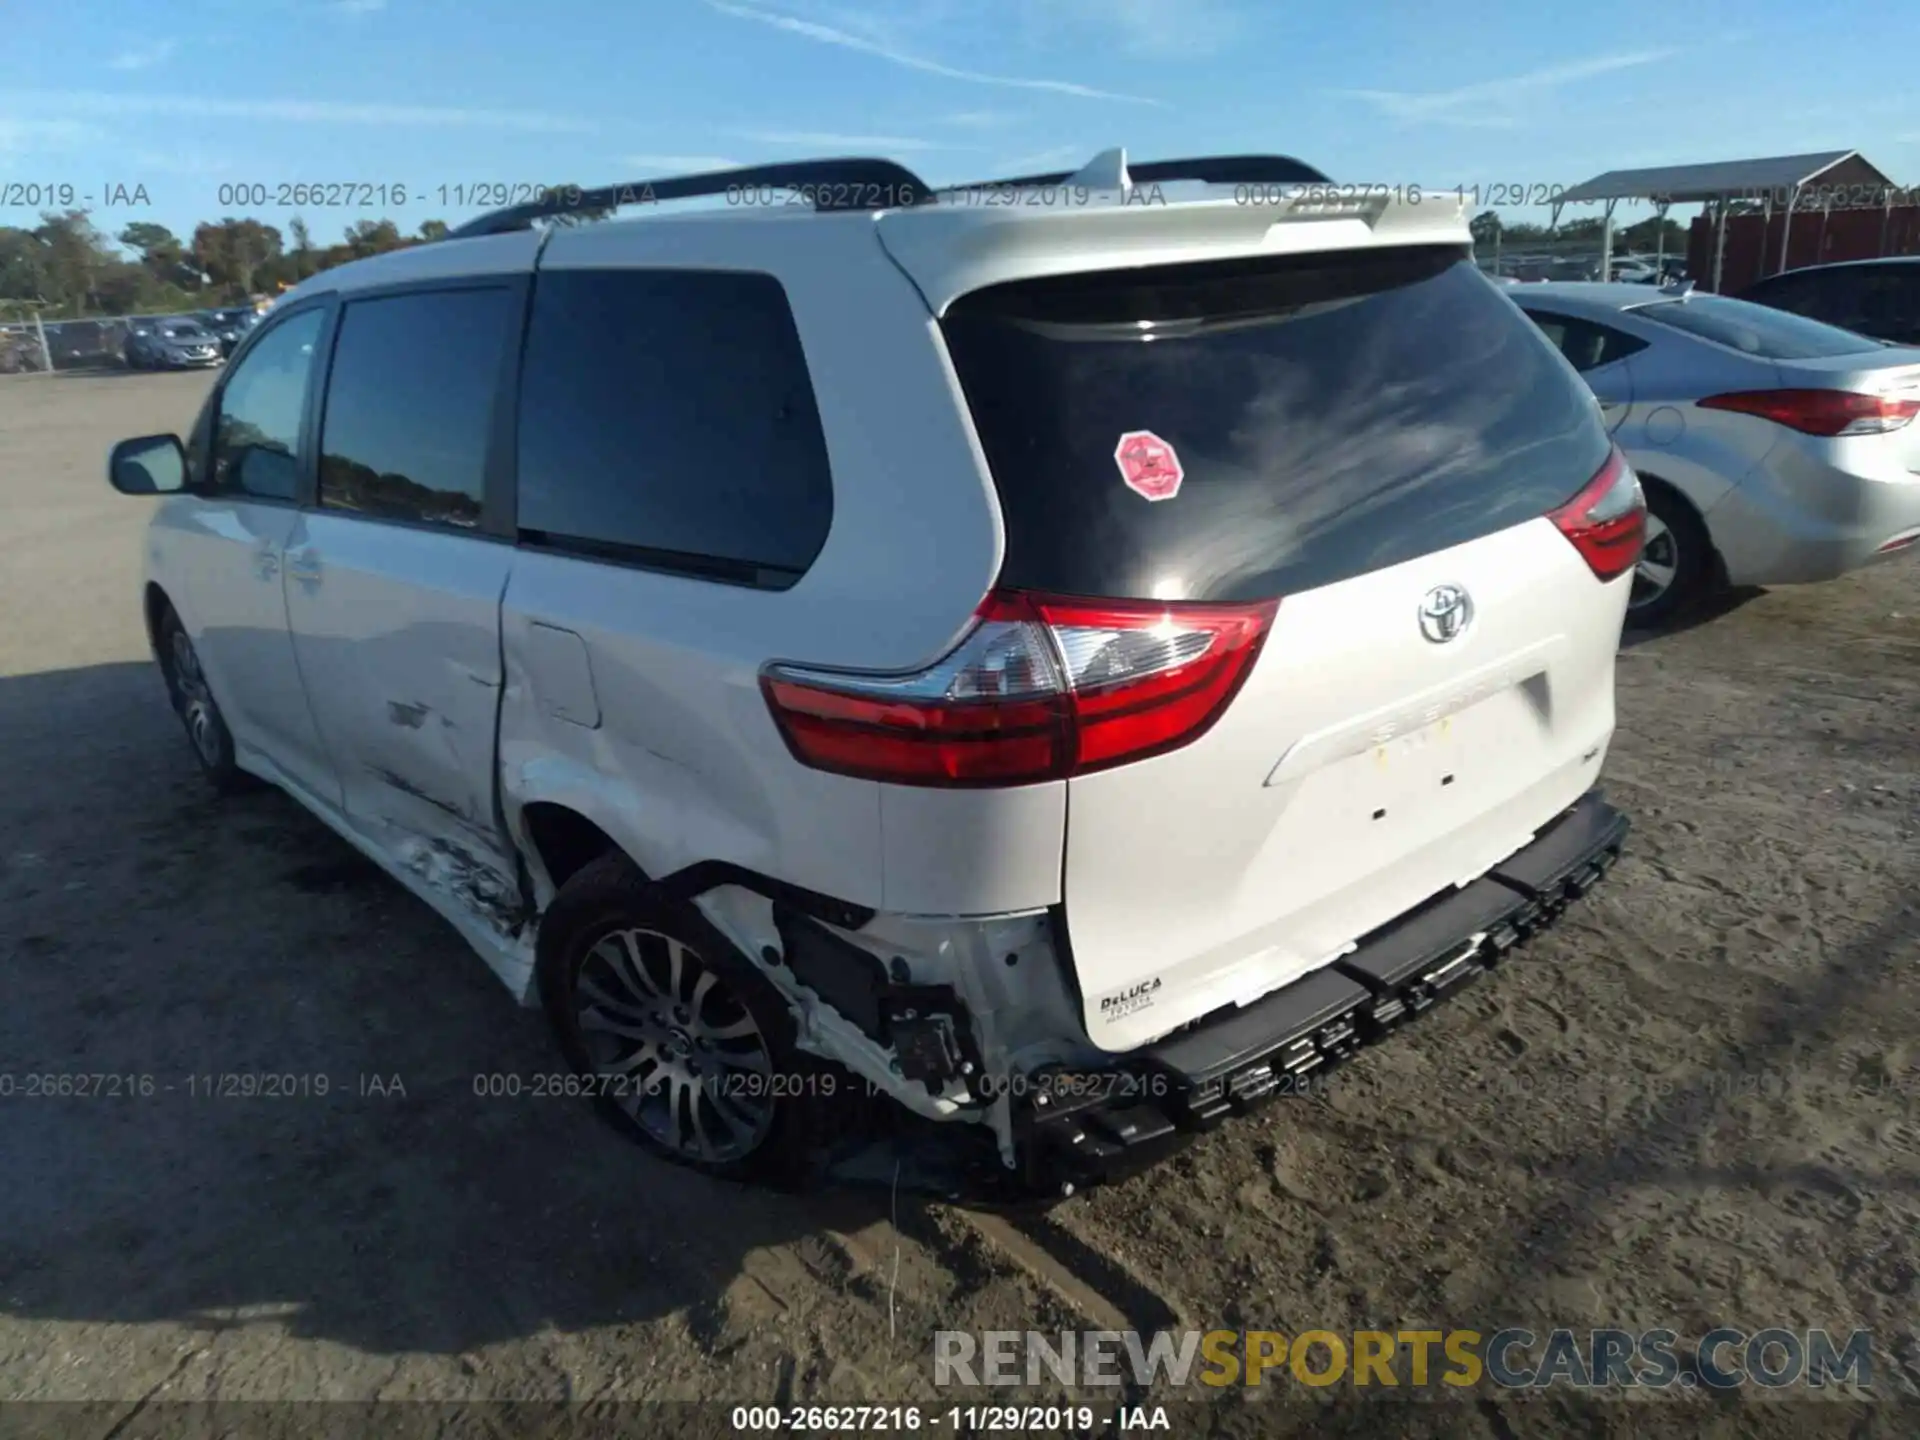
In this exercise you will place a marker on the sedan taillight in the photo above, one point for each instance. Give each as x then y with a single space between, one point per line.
1828 413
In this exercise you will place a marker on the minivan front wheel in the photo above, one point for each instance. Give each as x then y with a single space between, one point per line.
199 712
682 1044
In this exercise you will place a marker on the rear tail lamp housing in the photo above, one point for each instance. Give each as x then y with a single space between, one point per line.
1828 413
1040 688
1607 519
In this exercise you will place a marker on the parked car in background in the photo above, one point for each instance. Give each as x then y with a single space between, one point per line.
1774 449
171 345
1635 269
1880 298
230 326
1186 721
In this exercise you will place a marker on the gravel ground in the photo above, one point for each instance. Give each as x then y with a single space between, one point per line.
1692 1104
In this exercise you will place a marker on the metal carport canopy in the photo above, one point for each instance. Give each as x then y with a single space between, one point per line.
1717 180
1716 183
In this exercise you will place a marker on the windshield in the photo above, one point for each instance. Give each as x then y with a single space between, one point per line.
183 332
1755 330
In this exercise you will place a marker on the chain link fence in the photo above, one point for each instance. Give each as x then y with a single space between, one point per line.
70 344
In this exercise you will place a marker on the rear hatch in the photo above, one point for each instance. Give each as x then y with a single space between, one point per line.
1341 467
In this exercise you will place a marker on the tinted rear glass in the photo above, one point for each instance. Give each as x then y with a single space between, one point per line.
1757 330
1331 415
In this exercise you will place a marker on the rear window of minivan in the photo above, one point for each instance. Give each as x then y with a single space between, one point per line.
1330 414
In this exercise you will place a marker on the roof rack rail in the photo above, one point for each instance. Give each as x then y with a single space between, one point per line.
847 184
1209 169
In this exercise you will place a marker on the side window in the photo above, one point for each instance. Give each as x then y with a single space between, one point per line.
1833 297
410 403
256 436
1616 344
1889 304
1903 305
1587 345
1785 292
668 416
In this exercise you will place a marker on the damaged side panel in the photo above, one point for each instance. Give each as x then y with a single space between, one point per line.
396 634
668 748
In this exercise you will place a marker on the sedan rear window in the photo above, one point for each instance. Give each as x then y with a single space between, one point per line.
1302 420
1757 330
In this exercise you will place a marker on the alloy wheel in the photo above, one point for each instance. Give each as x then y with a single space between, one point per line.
673 1045
1658 566
195 699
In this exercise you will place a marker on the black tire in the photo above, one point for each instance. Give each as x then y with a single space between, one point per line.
1677 542
199 712
584 960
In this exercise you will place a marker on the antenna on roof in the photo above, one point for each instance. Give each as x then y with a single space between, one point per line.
1106 171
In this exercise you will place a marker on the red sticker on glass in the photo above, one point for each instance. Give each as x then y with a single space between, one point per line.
1148 465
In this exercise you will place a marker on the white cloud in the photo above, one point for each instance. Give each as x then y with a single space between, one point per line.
193 163
1493 103
834 140
326 112
359 7
143 57
43 137
846 39
1161 29
680 164
978 119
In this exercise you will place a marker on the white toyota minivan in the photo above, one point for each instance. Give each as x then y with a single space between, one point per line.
1072 655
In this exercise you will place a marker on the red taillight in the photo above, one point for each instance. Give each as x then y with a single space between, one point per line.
1607 520
1041 688
1819 412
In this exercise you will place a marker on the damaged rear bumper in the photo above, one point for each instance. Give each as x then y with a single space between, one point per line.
1074 1130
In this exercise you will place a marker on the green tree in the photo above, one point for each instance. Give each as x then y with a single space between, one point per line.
75 256
431 230
373 237
1484 227
304 262
232 252
22 267
1646 235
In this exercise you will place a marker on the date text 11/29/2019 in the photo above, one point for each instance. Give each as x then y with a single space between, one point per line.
1479 196
1046 1087
956 1419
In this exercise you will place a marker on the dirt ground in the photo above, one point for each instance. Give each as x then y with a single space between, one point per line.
1696 1103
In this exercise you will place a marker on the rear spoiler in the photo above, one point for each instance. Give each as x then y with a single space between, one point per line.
954 247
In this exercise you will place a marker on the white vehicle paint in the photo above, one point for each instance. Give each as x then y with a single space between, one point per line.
1021 760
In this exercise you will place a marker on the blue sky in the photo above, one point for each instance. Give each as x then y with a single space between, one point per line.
183 95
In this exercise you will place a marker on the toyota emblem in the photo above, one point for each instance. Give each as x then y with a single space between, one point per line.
1445 613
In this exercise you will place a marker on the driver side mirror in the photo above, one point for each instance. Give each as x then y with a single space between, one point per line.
149 465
